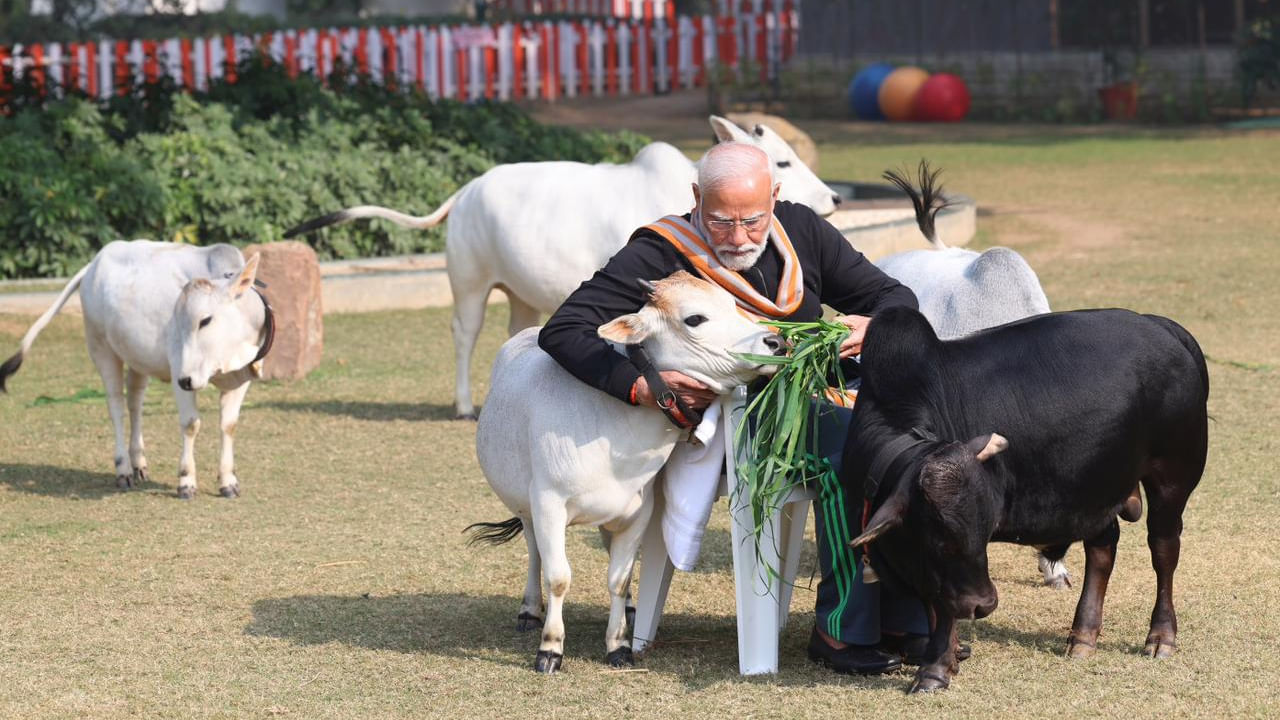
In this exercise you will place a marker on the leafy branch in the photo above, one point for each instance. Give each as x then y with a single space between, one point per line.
776 443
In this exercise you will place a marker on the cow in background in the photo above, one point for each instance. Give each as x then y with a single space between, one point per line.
175 312
559 452
993 437
537 230
962 291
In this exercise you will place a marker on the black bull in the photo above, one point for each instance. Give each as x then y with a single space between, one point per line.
1037 433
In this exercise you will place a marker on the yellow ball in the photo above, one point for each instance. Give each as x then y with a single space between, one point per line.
898 92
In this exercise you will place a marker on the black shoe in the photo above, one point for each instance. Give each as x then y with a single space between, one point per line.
851 659
912 648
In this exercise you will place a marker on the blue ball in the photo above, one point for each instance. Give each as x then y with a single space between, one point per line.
864 91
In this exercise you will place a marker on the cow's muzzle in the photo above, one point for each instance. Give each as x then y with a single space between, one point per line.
185 383
975 606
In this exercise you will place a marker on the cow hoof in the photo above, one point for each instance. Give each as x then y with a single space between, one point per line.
465 416
186 492
630 614
547 662
927 683
1159 649
124 482
527 621
230 491
621 657
140 476
1079 649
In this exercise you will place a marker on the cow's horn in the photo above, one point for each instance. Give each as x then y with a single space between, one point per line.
875 531
648 286
888 517
994 445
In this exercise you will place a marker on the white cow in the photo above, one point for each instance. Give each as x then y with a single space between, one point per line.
559 452
175 312
537 230
962 291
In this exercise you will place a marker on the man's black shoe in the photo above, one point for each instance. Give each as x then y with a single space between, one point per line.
851 659
911 648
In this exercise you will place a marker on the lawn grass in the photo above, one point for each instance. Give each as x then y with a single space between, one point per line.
339 585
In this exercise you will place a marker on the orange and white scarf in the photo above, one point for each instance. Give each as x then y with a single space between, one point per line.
693 244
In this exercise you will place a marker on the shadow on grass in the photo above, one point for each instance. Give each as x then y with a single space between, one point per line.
1054 643
367 410
71 483
700 650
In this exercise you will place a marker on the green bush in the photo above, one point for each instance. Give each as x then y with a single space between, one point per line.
67 189
1258 60
244 162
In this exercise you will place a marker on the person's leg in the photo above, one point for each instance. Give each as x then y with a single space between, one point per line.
863 611
847 613
847 609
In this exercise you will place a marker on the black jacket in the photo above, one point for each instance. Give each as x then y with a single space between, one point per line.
834 274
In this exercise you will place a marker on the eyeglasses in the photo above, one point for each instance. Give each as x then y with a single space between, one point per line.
751 224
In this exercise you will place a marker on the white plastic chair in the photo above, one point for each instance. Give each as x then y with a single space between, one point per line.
763 605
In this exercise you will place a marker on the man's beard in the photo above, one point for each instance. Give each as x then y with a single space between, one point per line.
745 257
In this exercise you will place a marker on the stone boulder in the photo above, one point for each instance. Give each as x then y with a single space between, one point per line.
798 139
291 274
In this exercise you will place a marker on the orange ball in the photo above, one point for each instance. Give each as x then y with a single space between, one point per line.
898 92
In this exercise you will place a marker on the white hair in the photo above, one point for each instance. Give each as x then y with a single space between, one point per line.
727 161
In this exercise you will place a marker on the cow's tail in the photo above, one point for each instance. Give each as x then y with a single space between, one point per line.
494 533
928 200
374 211
11 365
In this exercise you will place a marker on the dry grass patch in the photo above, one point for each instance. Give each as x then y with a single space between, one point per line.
339 585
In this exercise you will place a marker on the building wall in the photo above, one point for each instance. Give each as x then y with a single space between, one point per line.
1049 86
844 28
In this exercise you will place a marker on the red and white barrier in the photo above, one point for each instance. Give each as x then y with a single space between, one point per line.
525 60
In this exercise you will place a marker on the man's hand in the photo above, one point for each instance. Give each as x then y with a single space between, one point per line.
691 392
857 325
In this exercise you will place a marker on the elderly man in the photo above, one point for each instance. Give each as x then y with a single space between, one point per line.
781 262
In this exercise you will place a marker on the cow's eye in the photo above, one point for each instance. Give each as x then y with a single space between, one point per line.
695 320
206 321
784 163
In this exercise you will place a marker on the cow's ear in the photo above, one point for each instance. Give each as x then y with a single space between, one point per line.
245 280
726 131
888 517
630 329
985 447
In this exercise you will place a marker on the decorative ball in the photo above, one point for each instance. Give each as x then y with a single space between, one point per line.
864 91
897 94
942 98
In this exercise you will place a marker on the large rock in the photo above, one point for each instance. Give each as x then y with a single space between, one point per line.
292 277
798 139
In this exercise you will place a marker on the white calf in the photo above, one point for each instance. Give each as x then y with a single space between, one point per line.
537 230
558 452
961 292
174 312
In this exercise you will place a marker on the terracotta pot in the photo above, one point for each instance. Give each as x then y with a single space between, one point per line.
1119 101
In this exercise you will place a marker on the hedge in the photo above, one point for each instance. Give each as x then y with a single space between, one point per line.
243 162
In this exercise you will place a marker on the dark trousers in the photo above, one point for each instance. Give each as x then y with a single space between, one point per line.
847 608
